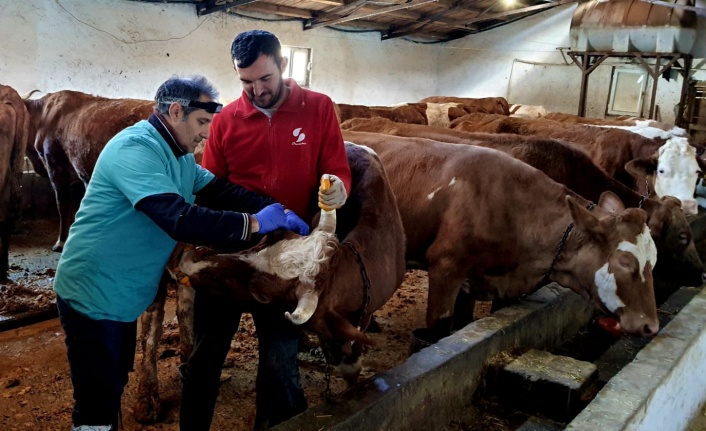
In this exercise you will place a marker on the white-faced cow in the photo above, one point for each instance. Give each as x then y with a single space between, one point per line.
479 216
14 124
68 130
679 262
333 282
611 149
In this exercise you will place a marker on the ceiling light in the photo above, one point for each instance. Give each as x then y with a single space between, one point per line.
509 2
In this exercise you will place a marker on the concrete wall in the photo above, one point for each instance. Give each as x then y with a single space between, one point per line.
120 48
521 62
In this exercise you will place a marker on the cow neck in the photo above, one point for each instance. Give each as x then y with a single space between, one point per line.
366 282
560 248
644 197
158 123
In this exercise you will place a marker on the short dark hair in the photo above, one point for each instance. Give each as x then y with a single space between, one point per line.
249 45
189 88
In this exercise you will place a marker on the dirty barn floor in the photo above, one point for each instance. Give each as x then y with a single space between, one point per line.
35 388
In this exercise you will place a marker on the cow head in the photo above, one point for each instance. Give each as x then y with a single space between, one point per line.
673 172
679 261
282 267
621 276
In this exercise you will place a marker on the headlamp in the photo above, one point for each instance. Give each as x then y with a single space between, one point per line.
210 107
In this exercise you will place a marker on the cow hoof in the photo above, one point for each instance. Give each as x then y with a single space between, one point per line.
58 247
147 410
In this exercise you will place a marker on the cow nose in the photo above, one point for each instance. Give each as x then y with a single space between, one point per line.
690 207
650 329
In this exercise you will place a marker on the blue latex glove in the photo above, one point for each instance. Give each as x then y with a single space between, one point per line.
295 224
271 218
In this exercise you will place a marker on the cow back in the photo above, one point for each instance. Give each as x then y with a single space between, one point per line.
83 124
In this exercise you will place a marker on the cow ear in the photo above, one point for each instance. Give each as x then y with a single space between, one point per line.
642 167
583 219
609 201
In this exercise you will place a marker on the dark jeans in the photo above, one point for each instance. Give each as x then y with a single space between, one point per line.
101 353
279 392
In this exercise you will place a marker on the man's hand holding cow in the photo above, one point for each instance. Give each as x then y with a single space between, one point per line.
295 224
270 218
334 196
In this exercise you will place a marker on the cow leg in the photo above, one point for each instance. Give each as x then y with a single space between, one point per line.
463 309
59 170
5 228
185 316
446 276
147 407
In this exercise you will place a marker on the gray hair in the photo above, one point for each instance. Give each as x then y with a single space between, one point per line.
189 88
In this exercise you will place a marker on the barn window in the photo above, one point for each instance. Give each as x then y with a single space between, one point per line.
299 64
627 92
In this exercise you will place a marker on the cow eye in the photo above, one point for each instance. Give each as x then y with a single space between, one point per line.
683 239
661 171
627 261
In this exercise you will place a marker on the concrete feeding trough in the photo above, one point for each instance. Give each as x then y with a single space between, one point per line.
438 383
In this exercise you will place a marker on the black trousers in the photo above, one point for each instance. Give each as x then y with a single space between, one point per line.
101 354
279 392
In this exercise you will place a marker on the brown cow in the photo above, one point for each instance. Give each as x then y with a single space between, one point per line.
627 122
68 130
437 114
678 260
612 150
486 105
348 278
14 128
414 113
463 221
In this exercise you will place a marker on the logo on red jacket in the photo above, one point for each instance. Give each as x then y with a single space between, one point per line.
297 133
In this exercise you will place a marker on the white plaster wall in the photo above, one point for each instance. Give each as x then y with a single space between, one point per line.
520 61
119 48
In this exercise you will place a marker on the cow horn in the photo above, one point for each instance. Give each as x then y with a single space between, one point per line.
305 308
327 221
29 94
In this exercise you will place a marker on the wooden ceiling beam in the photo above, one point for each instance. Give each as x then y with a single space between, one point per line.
211 6
699 10
274 9
334 17
508 13
417 26
330 2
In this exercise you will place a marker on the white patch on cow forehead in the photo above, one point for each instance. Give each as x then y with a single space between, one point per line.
430 196
644 250
677 170
452 182
607 288
300 258
190 267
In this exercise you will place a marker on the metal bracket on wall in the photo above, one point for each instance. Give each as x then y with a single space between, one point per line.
587 61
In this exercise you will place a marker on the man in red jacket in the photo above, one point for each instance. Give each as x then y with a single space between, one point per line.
277 139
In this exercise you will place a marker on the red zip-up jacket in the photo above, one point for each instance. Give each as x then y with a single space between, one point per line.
283 157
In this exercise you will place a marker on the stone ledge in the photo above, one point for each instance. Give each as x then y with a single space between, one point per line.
436 383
